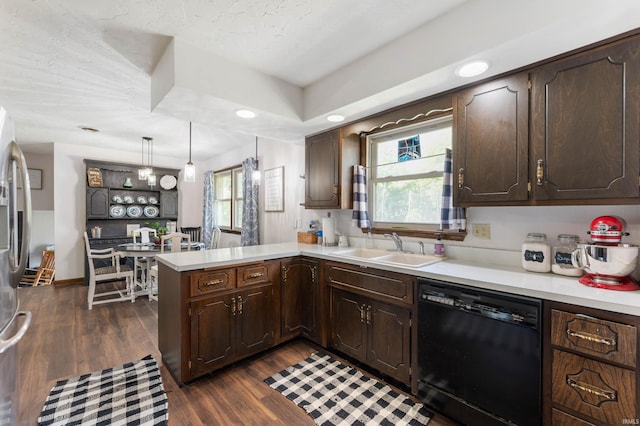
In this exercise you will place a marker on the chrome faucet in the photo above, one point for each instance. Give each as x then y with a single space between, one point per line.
396 239
421 246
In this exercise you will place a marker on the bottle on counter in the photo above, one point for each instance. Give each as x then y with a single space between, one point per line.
566 244
536 253
320 242
438 247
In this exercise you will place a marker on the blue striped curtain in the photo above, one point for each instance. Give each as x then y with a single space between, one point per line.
250 234
451 217
208 212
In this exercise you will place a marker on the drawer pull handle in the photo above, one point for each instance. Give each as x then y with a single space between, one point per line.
214 282
363 309
239 305
590 337
369 314
255 275
460 178
233 306
585 387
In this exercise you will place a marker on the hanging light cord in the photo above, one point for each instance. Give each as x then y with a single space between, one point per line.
189 142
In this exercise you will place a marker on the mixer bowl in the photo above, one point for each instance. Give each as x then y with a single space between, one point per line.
615 261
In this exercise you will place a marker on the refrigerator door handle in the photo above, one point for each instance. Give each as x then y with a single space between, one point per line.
6 344
17 157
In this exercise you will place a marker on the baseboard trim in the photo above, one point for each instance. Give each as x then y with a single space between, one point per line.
69 281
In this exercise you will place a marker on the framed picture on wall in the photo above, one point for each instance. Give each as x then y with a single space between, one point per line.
35 179
274 189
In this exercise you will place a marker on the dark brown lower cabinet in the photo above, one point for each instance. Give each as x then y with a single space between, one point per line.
593 371
301 299
230 327
374 332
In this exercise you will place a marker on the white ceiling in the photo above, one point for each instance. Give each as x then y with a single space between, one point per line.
134 68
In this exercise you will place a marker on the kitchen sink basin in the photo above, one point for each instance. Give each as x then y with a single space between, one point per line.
361 253
390 258
408 259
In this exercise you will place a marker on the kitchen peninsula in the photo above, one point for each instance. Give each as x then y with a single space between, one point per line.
219 306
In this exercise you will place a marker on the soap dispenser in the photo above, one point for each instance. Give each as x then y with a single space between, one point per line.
438 247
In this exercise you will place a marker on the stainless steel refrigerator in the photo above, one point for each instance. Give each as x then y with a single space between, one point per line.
13 256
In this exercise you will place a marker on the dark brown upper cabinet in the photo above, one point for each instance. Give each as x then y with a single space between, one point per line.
329 160
585 119
491 142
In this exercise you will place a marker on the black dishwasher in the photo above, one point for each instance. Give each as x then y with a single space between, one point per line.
479 354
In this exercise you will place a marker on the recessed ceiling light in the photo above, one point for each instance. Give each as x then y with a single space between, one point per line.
335 118
472 69
245 113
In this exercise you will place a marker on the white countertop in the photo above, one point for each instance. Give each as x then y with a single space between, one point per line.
482 275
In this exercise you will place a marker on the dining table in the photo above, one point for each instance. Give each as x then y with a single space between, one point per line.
149 251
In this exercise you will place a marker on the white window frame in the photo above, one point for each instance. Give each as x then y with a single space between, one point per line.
236 196
400 133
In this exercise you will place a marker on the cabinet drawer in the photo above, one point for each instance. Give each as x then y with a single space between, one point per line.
611 341
210 281
396 286
254 274
560 418
598 390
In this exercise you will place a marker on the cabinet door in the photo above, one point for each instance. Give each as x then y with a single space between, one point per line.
97 203
299 298
169 204
255 319
213 334
389 339
322 185
585 123
491 143
349 333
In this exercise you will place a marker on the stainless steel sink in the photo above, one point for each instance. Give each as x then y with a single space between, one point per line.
390 258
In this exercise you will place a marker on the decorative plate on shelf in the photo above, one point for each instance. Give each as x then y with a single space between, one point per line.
153 200
116 199
117 211
151 211
134 211
142 200
128 199
168 182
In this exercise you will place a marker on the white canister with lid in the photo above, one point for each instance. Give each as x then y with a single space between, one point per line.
567 244
536 253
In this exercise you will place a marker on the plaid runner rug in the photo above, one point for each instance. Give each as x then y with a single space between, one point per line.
129 394
336 394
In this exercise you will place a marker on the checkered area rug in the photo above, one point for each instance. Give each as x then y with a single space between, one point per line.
129 394
336 394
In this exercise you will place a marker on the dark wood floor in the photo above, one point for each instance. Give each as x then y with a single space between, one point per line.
65 340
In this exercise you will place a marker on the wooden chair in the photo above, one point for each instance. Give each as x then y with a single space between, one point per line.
45 272
142 264
176 238
194 232
114 272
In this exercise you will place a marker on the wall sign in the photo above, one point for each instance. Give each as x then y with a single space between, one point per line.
274 189
35 179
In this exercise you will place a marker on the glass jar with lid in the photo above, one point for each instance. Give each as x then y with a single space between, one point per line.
536 253
566 244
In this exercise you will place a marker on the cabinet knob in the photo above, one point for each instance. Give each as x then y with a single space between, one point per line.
540 173
460 178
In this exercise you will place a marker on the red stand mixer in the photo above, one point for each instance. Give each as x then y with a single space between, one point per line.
608 263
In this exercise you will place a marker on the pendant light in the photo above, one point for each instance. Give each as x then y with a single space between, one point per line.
189 168
142 171
151 178
255 175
